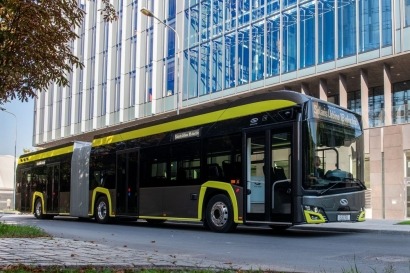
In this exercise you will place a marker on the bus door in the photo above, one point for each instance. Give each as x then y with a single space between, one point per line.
24 191
53 187
127 179
268 189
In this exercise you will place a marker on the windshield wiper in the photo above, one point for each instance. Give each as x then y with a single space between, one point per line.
355 180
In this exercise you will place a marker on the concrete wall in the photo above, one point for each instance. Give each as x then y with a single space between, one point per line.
387 147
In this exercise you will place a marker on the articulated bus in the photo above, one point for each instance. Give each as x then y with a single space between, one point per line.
248 161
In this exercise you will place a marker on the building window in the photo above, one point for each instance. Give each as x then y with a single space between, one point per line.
346 28
148 93
289 44
170 80
217 17
333 99
192 75
244 7
408 165
272 6
287 3
193 25
230 46
408 182
205 20
243 56
258 48
205 75
172 9
369 25
272 46
407 13
258 9
230 14
401 102
354 101
307 35
326 30
217 79
386 23
376 107
171 40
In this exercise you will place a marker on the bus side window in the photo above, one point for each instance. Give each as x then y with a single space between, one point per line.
215 172
232 171
158 173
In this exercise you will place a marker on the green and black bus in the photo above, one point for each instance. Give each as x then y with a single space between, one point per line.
248 161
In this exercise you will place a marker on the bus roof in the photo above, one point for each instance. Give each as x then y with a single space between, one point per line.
228 110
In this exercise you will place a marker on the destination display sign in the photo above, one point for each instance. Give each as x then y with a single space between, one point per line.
334 114
187 134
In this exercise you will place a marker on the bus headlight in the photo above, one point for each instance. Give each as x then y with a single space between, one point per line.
314 215
312 208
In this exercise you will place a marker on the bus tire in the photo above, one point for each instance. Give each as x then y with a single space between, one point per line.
219 214
38 209
101 210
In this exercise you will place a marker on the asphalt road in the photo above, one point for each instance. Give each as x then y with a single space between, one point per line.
292 250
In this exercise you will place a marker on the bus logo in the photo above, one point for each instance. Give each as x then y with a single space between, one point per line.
254 121
344 202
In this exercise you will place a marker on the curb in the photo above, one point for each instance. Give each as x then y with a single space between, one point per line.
352 230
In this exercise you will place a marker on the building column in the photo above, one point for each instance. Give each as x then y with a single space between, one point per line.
323 89
364 95
387 95
342 91
304 88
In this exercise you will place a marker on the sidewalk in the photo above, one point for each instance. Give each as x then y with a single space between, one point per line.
370 225
51 252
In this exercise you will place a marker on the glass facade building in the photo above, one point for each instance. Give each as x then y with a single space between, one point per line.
355 53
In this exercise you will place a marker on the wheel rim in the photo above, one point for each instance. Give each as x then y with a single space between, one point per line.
219 214
38 208
102 210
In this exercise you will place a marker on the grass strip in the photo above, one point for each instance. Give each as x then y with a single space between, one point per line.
17 231
404 223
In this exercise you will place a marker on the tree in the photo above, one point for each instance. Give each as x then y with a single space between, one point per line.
35 48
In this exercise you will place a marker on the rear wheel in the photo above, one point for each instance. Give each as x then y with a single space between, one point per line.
219 214
101 211
38 209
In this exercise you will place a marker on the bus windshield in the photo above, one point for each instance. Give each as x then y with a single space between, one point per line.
334 163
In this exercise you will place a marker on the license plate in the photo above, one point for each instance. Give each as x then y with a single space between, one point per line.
343 217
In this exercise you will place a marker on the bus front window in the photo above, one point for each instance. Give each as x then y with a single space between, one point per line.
333 159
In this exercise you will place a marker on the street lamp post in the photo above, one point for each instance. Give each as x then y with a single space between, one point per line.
149 13
15 154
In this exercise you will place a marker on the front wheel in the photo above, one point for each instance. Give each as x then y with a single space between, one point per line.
219 214
101 211
38 209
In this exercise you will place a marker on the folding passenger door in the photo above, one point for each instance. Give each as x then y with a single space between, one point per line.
268 189
53 187
127 179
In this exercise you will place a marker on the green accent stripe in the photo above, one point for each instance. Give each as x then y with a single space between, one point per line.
30 158
229 113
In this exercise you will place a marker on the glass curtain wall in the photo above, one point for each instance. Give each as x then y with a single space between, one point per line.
240 42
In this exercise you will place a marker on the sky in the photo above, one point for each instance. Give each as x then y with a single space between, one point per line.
24 112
